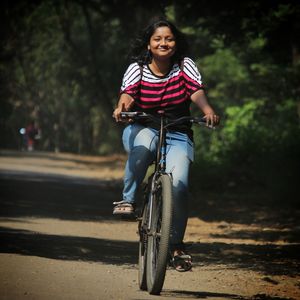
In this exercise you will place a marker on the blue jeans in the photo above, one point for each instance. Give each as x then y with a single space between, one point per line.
140 143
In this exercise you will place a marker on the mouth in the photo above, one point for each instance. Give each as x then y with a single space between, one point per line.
163 49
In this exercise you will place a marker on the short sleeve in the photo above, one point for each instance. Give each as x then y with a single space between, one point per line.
192 76
131 80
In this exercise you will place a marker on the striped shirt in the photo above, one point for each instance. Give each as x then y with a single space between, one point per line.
170 92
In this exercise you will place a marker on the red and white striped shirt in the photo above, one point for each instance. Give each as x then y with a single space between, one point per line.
170 93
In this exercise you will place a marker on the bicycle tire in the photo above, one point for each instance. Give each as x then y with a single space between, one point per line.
159 239
143 248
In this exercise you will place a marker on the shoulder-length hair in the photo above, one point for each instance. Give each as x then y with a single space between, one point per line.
140 52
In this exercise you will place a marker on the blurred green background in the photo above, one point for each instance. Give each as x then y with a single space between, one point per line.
62 64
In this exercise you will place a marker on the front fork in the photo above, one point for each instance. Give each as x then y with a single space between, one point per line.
151 199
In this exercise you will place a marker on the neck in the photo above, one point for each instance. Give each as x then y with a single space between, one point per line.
160 67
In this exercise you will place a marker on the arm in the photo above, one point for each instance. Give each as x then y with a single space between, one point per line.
124 104
200 99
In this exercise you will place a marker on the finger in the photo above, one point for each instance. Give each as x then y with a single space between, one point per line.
217 120
214 119
120 119
117 116
114 115
129 105
206 117
211 120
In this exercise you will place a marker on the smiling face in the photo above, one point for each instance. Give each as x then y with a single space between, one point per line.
162 43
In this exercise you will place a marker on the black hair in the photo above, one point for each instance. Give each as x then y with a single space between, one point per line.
140 53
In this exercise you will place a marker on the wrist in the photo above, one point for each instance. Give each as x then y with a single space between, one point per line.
209 112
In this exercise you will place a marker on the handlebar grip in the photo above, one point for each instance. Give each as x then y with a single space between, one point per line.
129 114
200 120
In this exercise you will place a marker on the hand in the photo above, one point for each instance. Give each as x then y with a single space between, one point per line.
212 119
122 107
117 113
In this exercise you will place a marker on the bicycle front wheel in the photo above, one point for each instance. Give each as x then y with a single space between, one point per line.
143 223
159 236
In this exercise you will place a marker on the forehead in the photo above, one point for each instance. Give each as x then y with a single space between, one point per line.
163 31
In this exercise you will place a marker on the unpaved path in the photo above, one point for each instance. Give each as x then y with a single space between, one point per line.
58 239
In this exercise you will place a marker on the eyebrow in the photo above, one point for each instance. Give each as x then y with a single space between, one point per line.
168 36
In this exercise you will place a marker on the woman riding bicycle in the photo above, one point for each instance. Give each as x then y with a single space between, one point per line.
161 77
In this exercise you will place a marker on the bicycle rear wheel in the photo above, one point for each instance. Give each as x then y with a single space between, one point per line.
159 237
143 248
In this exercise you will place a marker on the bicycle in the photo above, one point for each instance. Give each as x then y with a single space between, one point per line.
155 218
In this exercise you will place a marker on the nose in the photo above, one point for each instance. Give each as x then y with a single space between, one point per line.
163 42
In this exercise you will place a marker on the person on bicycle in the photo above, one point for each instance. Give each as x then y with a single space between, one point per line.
161 77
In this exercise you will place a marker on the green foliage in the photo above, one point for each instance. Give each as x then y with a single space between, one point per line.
253 147
226 76
62 64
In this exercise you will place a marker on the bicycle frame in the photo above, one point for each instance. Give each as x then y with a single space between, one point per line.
160 163
156 215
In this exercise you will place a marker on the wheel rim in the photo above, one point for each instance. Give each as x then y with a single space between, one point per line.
155 239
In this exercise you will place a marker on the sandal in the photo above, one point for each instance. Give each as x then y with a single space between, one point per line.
181 260
123 208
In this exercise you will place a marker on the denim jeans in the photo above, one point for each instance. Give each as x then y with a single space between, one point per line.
140 143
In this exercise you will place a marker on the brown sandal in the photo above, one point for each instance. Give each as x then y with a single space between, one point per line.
123 208
181 261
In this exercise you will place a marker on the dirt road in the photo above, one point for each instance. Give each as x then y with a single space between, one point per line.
58 239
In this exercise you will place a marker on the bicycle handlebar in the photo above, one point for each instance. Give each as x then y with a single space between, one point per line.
172 122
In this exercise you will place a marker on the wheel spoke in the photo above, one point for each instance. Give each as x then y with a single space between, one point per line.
158 243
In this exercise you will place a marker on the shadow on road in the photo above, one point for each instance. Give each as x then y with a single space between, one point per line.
92 162
269 259
57 198
248 207
206 295
61 199
25 242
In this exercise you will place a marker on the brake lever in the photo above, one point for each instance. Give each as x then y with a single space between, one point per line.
202 122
